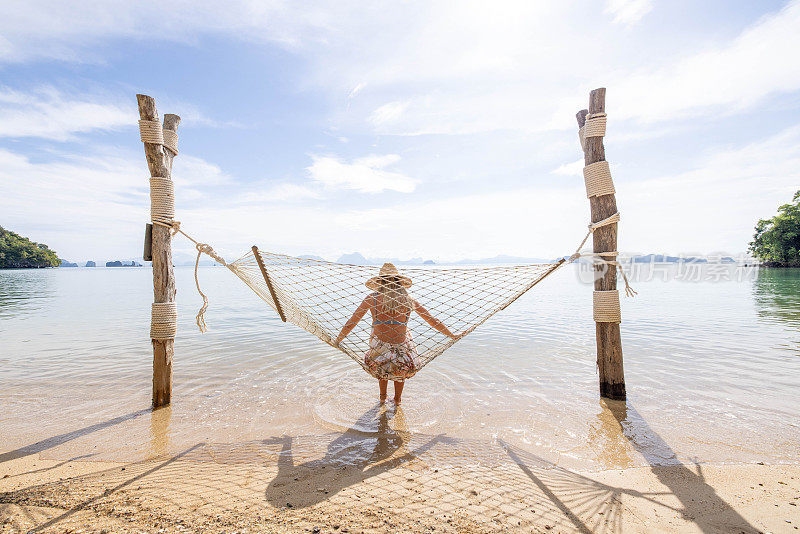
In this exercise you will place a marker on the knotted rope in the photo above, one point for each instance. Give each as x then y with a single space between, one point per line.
202 248
629 291
592 227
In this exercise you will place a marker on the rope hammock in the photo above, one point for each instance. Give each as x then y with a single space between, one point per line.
380 317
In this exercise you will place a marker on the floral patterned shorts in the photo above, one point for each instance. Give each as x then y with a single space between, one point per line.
392 361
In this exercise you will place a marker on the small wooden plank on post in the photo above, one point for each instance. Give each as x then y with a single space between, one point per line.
609 341
269 283
147 255
159 162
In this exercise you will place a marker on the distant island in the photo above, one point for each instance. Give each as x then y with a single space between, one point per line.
118 263
776 241
356 258
17 252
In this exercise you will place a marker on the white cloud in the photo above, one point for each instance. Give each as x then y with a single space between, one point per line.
728 78
628 12
191 171
388 113
357 89
418 68
93 207
716 204
97 205
570 169
58 30
430 68
48 113
364 174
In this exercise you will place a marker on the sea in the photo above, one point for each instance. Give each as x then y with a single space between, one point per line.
711 359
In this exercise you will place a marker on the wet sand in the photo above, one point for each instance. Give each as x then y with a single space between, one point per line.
384 481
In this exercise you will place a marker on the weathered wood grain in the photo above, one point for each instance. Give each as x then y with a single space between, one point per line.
609 341
159 161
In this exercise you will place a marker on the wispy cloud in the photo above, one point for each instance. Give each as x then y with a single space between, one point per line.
727 78
705 206
96 205
494 87
367 175
50 114
515 65
388 113
628 12
106 198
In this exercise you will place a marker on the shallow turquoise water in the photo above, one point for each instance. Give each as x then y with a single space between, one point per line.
712 370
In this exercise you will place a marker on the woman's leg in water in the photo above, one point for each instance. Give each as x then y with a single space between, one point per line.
382 386
398 391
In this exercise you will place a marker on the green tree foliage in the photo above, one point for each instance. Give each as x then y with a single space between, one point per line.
777 240
20 252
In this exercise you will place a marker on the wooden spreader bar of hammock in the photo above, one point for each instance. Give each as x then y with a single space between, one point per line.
269 283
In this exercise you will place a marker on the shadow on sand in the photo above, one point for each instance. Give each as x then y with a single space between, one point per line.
378 465
700 502
54 441
356 455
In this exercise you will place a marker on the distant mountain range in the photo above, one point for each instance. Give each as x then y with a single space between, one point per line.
356 258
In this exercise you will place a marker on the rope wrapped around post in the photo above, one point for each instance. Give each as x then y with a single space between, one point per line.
595 125
162 201
153 132
162 213
606 306
163 320
597 177
171 141
163 323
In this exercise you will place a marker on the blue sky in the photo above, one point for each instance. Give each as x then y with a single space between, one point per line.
433 129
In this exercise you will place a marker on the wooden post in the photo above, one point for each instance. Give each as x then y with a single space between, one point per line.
159 161
609 342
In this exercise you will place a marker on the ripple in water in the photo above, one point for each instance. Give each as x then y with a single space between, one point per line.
712 369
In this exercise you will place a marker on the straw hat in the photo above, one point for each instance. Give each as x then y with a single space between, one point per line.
388 273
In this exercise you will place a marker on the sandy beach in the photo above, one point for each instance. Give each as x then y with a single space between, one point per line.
404 485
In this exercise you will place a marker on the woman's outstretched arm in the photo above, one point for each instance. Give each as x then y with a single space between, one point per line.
434 322
353 321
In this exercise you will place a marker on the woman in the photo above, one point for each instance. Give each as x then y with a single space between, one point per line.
392 354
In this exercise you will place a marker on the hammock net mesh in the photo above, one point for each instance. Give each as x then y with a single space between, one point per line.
320 297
